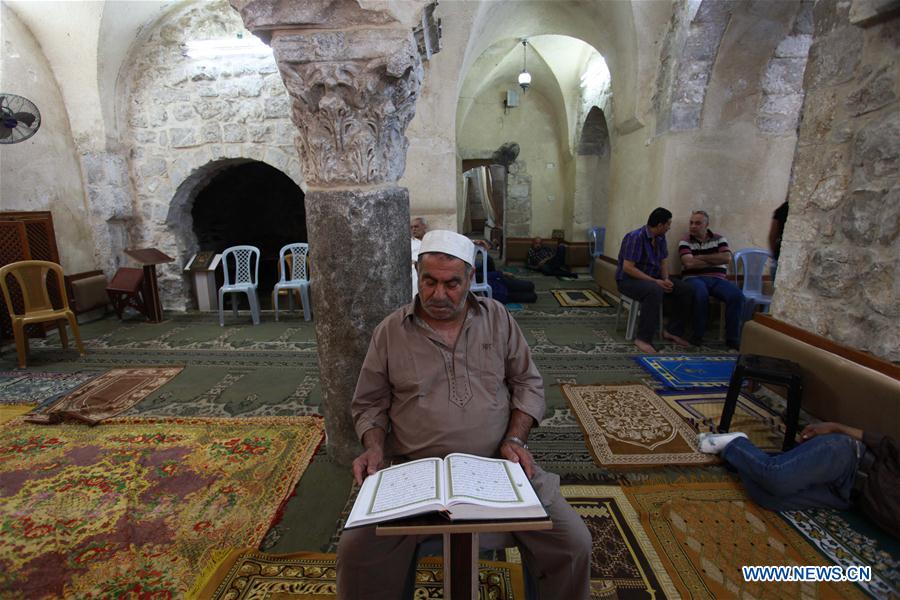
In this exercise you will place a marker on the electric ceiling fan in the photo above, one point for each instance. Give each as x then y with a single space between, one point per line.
20 119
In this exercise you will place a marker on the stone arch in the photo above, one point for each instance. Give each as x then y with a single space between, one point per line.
592 174
176 236
186 117
569 77
689 55
705 47
781 87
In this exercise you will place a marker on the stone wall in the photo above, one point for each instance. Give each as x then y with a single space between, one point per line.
517 218
840 256
188 117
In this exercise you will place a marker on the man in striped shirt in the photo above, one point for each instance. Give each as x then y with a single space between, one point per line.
704 259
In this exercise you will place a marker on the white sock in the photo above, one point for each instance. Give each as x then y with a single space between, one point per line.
713 443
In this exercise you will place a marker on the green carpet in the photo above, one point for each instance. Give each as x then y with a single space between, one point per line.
272 370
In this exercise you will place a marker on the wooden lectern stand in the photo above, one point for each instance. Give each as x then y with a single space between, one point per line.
149 258
460 546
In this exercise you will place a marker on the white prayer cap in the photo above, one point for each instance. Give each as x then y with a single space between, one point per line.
449 242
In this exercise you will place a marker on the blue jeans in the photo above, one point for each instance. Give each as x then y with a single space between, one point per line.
818 473
727 292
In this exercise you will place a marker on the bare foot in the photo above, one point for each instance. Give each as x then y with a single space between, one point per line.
644 346
674 338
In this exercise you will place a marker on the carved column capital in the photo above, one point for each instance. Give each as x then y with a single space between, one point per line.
354 93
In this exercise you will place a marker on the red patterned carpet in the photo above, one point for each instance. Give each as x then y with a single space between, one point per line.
139 507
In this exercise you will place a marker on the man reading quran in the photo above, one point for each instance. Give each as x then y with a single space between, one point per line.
452 372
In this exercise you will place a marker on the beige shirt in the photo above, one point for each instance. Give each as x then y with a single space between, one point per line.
433 400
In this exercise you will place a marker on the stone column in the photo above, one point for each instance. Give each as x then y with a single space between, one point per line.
353 76
837 274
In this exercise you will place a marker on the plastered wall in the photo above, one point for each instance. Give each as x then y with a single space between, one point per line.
42 173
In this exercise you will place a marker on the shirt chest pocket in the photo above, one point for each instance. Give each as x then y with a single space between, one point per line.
490 368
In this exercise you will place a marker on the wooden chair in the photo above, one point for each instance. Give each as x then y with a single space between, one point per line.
31 277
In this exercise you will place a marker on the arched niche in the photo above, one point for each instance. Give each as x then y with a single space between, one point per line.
592 174
255 197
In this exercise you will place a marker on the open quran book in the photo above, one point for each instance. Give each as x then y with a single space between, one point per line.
462 486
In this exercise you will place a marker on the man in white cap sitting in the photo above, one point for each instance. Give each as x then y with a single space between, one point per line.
452 372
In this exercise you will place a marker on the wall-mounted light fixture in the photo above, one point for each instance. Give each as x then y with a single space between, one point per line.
524 76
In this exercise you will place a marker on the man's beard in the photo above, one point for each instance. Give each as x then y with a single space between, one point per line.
430 305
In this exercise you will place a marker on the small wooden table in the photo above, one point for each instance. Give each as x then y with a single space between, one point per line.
460 546
149 258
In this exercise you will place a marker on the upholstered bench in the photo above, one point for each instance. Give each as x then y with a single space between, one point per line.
839 383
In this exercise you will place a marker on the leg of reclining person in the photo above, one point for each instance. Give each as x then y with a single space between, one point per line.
373 567
815 474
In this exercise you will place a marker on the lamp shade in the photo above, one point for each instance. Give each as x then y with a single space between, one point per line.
524 79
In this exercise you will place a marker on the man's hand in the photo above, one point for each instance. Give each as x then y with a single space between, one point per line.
811 431
517 454
665 284
372 460
368 463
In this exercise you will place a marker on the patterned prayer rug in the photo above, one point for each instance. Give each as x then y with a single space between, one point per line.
703 410
689 372
705 533
110 394
624 563
629 425
246 574
847 540
579 298
138 507
27 387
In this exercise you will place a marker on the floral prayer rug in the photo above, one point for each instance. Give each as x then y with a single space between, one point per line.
246 574
624 564
139 507
705 533
28 387
683 372
848 540
579 298
630 426
112 393
763 426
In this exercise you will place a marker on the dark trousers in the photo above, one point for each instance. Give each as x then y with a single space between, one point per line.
727 292
678 304
519 290
557 265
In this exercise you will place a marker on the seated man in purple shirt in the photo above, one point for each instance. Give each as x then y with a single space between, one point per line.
642 275
704 257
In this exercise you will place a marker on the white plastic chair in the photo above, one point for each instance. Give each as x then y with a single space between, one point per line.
634 310
484 286
753 261
295 266
246 275
596 238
